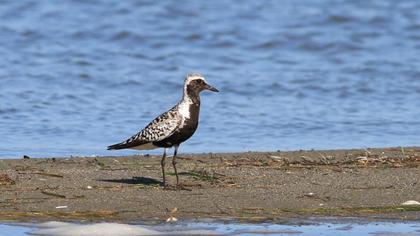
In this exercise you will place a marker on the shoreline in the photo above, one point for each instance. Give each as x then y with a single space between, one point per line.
249 186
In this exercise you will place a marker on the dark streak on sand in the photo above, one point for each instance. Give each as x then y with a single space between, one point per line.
246 186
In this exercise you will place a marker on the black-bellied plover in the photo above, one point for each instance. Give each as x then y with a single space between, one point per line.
173 127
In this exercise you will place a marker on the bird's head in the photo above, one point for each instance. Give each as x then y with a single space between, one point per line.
195 83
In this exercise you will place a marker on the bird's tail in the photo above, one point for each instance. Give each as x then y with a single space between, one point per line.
116 146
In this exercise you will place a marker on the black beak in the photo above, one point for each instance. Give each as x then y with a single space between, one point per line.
211 88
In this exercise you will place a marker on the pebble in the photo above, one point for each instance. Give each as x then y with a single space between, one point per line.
276 158
171 219
279 159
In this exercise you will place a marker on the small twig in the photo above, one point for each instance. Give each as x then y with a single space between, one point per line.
402 150
53 194
49 174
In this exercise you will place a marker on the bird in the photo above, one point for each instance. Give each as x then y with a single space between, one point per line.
172 127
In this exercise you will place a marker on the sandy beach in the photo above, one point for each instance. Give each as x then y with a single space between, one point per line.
251 186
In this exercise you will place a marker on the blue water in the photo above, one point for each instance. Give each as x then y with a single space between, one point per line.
214 228
76 76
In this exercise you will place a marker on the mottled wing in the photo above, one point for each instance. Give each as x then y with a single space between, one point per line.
160 128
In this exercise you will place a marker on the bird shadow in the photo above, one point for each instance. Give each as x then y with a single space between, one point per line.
135 180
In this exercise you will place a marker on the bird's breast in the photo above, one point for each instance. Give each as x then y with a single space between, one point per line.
187 127
190 121
188 110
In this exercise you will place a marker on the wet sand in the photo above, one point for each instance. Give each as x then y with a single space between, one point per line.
252 186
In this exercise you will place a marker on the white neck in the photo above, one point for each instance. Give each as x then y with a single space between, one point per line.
188 98
184 105
186 102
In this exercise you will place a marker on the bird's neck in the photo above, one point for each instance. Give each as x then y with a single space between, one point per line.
191 97
189 106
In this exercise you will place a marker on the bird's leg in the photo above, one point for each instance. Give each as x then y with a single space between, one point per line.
174 163
162 163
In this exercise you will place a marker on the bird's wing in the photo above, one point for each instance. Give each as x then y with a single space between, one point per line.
160 128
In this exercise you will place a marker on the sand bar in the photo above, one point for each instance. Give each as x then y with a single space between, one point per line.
251 186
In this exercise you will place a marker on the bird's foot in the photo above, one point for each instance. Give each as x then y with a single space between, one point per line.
169 187
181 187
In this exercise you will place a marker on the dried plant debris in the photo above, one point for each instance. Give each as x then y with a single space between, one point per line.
203 175
375 183
6 180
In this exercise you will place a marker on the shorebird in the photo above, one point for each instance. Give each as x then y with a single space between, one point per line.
173 127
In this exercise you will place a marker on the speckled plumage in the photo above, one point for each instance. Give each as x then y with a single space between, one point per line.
173 127
160 128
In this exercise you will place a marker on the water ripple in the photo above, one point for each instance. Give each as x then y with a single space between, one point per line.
292 75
